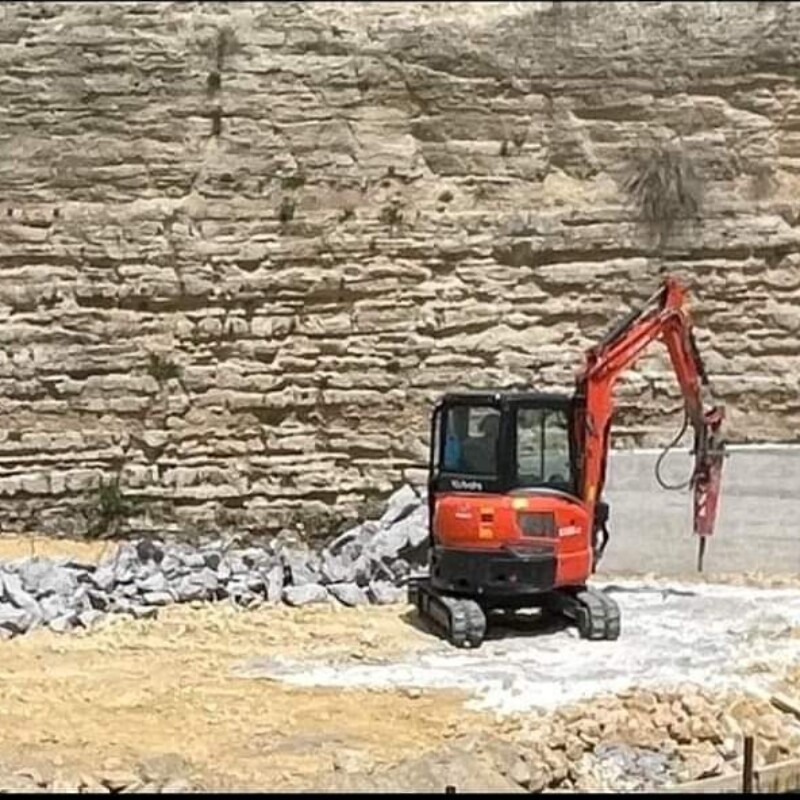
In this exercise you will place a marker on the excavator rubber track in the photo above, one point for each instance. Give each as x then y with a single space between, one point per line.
596 615
460 620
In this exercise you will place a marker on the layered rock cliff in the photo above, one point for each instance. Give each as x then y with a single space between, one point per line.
244 246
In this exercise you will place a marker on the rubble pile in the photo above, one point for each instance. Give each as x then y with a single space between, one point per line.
368 564
643 740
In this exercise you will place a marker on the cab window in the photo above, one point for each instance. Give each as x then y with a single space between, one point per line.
543 454
470 442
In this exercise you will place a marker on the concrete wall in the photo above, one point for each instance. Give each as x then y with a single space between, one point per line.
759 518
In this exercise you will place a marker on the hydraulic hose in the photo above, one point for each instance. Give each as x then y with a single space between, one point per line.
661 481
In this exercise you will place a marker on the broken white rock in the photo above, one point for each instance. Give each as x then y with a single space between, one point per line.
301 569
383 593
61 624
349 594
12 591
52 607
103 578
400 505
274 584
89 617
157 598
155 583
32 572
336 569
58 581
14 619
305 594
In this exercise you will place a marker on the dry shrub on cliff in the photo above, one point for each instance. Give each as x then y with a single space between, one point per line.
162 368
110 510
665 185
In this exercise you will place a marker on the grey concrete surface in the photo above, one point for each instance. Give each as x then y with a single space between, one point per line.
758 527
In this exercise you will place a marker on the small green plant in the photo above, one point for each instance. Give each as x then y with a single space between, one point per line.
391 215
482 191
286 210
214 81
111 508
294 181
162 368
763 182
226 44
665 185
445 197
216 121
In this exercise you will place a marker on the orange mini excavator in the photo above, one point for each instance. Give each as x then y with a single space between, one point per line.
515 485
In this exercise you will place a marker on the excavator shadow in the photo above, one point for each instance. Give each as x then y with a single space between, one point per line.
500 624
514 625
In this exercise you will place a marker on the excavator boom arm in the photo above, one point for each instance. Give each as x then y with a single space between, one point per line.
664 317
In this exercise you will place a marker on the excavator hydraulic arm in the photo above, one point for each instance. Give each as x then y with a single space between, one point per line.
665 316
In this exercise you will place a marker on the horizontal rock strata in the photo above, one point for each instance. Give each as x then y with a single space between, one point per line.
244 246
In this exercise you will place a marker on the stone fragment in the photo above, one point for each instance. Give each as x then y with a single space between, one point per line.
305 594
11 590
273 581
157 598
90 617
52 606
344 539
334 569
195 560
57 581
172 566
189 589
62 624
163 767
348 594
143 612
14 619
301 570
520 773
388 544
99 600
224 572
399 505
384 593
31 572
155 583
115 780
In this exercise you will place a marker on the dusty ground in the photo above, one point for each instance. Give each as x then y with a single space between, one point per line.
134 690
28 545
139 689
112 698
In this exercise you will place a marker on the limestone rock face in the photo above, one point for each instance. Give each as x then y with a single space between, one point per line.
244 246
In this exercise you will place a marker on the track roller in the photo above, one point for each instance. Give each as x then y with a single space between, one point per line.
595 614
460 620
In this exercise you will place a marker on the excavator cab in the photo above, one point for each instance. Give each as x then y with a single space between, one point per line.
497 443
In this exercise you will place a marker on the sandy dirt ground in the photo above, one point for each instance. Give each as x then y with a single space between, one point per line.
137 690
133 692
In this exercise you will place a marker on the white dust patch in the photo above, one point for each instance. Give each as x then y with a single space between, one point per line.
671 633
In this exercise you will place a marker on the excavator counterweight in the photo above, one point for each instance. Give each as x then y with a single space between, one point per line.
516 480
